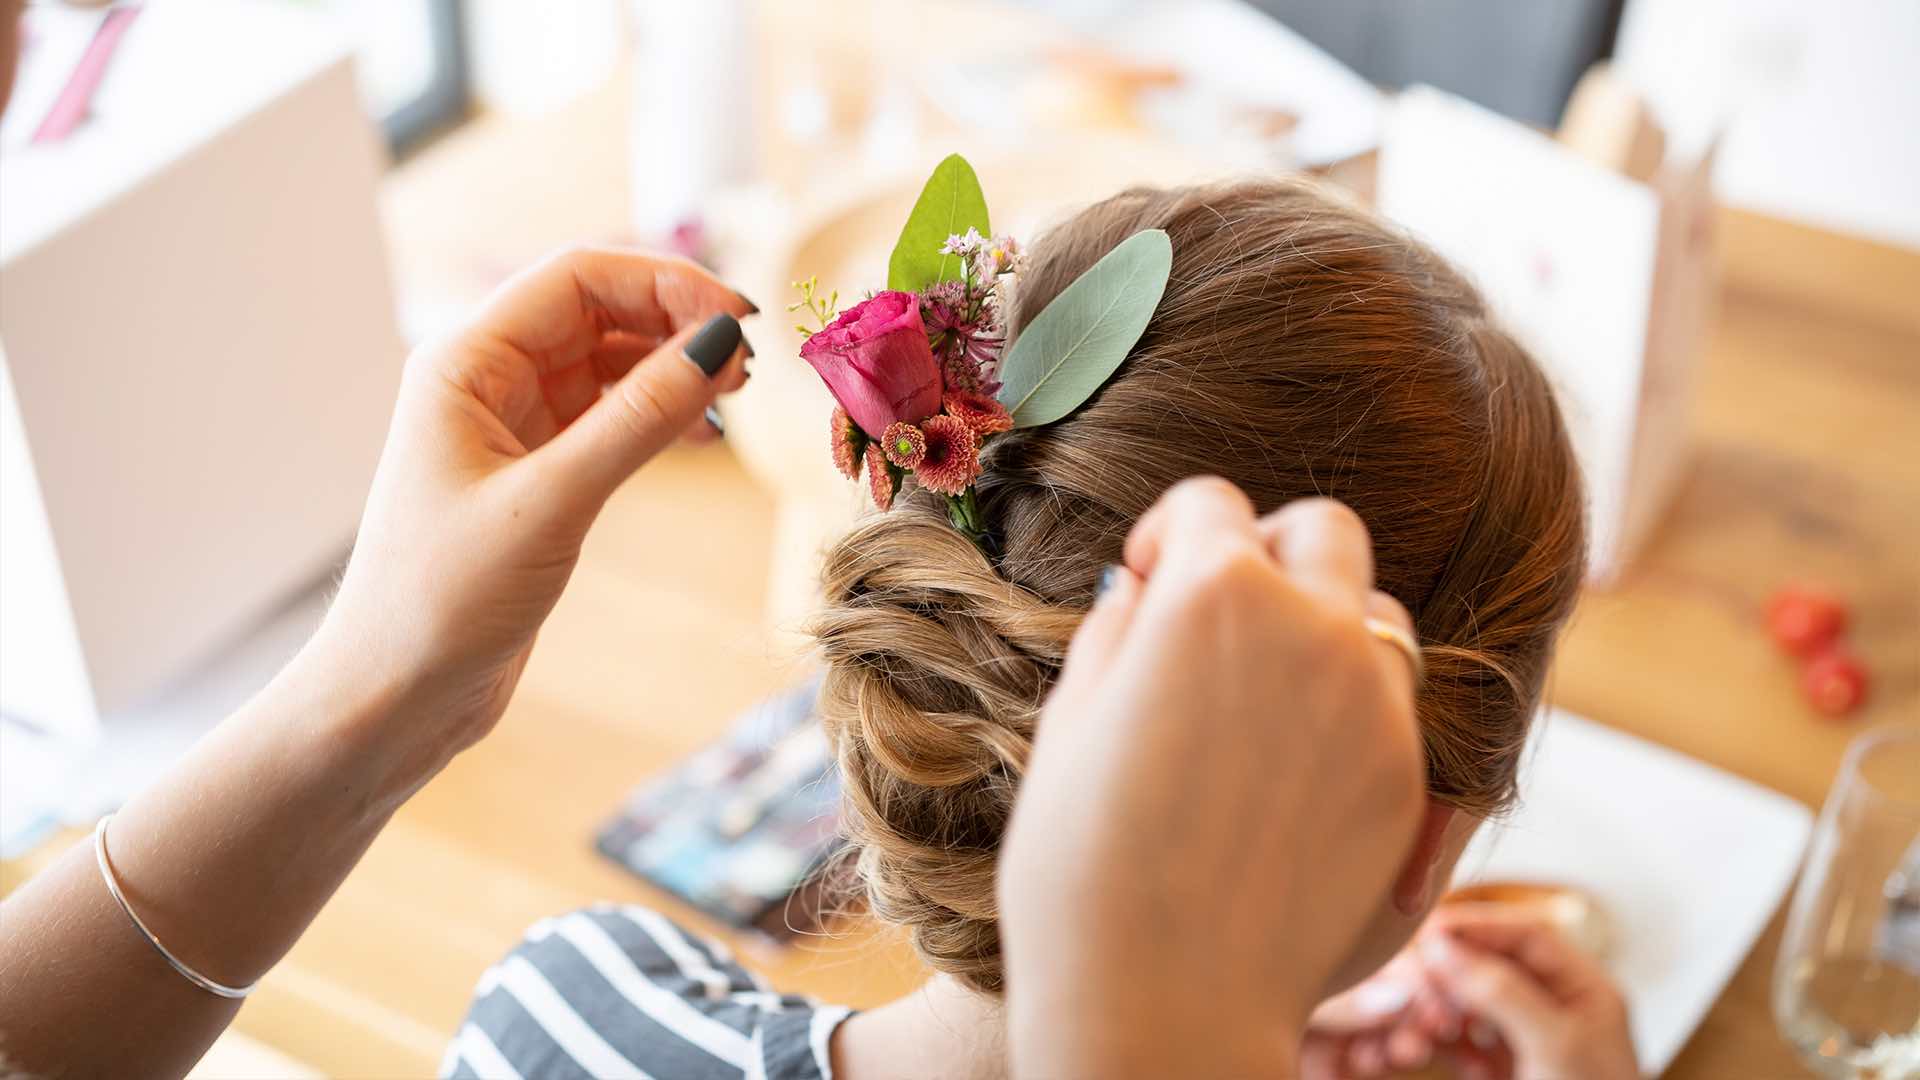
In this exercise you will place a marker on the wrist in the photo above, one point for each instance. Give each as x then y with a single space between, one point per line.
1089 1048
359 716
1124 1026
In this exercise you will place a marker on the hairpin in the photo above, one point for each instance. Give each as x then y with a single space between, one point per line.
921 372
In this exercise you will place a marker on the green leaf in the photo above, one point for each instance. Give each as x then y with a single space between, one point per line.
1073 346
950 203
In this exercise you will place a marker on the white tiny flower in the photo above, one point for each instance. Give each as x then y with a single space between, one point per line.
963 244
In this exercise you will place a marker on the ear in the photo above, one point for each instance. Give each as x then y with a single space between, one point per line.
1413 889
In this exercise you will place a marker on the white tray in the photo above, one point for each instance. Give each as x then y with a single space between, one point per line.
1689 862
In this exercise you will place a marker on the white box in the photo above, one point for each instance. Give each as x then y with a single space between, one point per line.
198 355
1607 281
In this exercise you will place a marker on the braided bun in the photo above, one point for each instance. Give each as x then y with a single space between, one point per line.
936 668
1301 348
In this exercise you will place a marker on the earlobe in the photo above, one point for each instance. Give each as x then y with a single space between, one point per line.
1413 889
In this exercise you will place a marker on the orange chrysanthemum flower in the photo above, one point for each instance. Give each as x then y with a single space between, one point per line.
849 444
904 444
952 457
983 414
880 479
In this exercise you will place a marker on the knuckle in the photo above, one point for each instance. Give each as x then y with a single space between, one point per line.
1492 983
1201 490
1217 590
1333 515
1336 643
434 353
1228 576
423 360
573 254
642 409
1383 605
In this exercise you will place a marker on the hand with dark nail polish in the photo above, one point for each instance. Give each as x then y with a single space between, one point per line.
510 434
714 345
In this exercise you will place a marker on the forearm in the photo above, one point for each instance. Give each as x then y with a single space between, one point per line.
1139 1009
227 859
1074 1039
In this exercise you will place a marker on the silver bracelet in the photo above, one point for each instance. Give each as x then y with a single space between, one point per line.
113 886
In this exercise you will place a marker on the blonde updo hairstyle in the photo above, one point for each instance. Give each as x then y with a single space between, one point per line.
1302 348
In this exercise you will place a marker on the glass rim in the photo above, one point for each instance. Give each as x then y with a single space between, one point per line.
1855 779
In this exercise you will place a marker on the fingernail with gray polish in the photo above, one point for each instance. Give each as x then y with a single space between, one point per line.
714 344
1109 575
714 421
752 308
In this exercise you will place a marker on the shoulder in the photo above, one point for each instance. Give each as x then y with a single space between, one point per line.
623 991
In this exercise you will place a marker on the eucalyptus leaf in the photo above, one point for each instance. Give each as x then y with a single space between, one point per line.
1077 341
950 203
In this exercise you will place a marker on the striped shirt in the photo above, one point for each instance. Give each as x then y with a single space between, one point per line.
624 992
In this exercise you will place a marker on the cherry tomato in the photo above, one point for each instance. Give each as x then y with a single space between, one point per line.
1805 622
1835 683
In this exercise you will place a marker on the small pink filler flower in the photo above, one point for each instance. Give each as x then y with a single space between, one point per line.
876 360
952 458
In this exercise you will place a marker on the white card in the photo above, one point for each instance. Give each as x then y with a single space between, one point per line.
1688 863
1564 251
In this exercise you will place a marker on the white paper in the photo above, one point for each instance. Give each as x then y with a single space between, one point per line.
1563 251
1687 861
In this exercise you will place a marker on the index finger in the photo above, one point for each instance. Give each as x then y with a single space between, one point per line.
557 311
1324 546
1197 510
1523 936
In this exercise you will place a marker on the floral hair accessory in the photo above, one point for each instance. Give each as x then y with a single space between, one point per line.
922 373
849 444
904 444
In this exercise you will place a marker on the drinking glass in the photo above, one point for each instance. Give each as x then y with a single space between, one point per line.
1846 988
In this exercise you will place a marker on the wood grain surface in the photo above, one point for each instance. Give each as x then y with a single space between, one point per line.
1808 468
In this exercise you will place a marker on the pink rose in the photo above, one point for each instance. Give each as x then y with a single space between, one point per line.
876 360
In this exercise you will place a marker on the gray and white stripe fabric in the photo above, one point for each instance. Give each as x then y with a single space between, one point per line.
611 992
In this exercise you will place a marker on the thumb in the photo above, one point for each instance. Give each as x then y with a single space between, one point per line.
1498 989
638 416
1097 642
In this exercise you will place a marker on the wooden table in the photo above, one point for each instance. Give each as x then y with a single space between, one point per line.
1810 467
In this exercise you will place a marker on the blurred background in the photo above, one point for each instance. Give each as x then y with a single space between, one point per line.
224 222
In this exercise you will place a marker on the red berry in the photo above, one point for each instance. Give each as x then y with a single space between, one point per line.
1804 622
1835 683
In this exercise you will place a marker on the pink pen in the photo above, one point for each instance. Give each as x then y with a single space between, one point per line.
71 107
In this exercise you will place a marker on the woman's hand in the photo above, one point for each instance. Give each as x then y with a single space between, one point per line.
1555 1008
1392 1020
503 449
1225 779
1501 994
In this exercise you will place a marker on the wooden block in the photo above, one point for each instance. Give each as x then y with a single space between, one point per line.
1608 123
